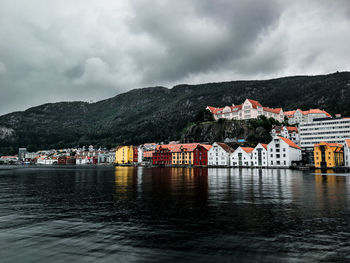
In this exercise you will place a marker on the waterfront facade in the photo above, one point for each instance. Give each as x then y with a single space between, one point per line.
200 155
249 109
299 116
282 152
324 130
124 155
328 155
219 154
242 157
161 156
260 155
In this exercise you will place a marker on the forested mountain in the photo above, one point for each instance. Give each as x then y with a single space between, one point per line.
161 114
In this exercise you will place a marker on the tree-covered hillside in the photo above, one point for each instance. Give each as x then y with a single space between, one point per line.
161 114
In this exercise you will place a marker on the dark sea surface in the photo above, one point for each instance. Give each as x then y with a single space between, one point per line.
130 214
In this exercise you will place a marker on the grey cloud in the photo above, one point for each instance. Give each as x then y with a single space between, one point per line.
90 50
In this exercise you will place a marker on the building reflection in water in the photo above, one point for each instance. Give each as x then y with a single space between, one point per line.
331 190
125 179
215 186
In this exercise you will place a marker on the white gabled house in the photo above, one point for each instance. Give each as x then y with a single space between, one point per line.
347 153
260 155
219 154
242 157
282 151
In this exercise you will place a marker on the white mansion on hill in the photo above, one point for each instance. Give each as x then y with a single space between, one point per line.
250 109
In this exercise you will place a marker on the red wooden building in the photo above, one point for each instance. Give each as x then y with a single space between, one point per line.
135 152
161 156
200 155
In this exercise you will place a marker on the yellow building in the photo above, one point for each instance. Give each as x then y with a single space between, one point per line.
328 155
182 154
124 155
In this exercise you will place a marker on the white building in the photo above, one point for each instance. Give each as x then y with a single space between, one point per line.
260 155
46 161
242 157
250 109
144 152
347 152
219 154
31 155
282 151
290 132
324 130
299 116
81 160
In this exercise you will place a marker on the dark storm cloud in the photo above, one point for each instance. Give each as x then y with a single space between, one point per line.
89 50
197 36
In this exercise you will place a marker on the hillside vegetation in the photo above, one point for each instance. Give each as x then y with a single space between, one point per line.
161 114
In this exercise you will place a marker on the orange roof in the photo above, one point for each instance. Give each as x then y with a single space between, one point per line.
276 111
264 145
188 147
310 111
289 113
347 142
289 142
225 147
292 129
214 110
317 111
329 144
254 103
206 146
247 149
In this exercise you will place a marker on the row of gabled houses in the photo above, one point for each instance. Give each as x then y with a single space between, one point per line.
280 152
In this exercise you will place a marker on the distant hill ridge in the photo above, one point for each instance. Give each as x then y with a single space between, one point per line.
161 114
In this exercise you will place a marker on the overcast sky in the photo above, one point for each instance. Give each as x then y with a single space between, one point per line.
90 50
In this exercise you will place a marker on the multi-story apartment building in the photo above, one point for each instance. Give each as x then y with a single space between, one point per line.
124 155
290 132
299 116
250 109
260 155
330 130
328 155
219 154
282 152
242 157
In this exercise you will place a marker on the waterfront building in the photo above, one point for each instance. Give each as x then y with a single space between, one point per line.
31 155
219 154
145 152
200 155
330 130
124 155
249 109
328 155
182 154
8 159
260 155
299 116
134 154
282 152
162 155
347 152
43 160
290 132
242 157
22 153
